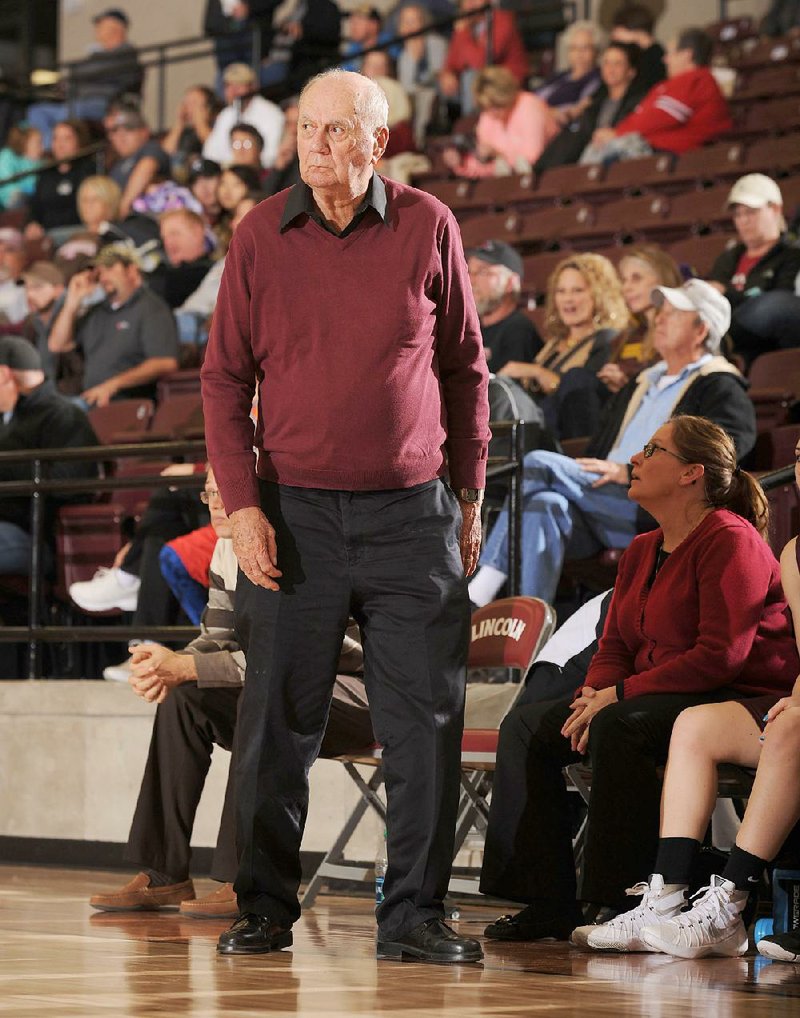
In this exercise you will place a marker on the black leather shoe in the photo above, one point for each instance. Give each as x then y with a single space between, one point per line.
431 941
254 934
528 925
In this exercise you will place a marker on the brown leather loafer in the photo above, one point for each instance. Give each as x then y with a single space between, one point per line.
220 904
138 896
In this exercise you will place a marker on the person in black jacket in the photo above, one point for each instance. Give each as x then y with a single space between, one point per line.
634 23
574 508
758 275
54 204
619 95
33 416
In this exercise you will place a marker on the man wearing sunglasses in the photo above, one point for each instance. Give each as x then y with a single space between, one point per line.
575 508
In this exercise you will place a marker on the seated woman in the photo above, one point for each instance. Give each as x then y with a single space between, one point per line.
585 313
53 206
512 130
731 640
703 738
99 200
642 269
418 64
618 96
569 92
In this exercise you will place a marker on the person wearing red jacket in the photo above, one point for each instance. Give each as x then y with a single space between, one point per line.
467 52
677 115
698 616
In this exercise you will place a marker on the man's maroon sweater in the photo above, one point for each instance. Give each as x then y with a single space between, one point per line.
715 617
367 350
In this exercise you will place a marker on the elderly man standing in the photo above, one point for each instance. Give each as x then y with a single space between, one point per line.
353 292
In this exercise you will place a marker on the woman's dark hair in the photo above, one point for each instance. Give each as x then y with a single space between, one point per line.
727 486
79 128
248 175
634 17
699 42
633 53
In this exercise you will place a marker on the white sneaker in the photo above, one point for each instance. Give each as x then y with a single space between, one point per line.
118 673
104 591
712 926
659 902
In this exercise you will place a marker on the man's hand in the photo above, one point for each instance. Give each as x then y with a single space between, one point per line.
470 543
610 473
155 670
603 135
255 547
102 394
584 707
81 285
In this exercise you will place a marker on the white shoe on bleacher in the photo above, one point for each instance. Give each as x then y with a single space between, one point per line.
107 589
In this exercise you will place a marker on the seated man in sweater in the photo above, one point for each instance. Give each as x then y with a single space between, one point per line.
680 114
575 508
495 274
128 340
758 275
197 692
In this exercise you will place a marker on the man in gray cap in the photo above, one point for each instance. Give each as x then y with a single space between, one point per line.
574 508
245 106
33 416
495 274
758 275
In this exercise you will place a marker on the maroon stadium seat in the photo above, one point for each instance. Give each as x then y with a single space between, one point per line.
131 416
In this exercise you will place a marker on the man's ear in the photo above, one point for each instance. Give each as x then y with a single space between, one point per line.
379 144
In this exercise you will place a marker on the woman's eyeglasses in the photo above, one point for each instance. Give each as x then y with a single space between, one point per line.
652 447
206 496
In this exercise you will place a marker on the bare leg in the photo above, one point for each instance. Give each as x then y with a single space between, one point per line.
774 805
702 738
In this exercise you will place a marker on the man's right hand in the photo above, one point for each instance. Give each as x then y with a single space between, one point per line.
80 286
255 547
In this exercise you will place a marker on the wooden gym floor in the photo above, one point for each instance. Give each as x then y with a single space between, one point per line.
59 959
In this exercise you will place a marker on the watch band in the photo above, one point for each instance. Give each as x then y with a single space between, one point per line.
470 494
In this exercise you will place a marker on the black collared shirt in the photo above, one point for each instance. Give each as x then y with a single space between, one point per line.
301 202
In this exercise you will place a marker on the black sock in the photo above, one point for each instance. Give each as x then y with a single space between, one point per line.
743 869
162 879
675 859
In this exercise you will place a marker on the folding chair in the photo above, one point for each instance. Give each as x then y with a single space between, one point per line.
509 634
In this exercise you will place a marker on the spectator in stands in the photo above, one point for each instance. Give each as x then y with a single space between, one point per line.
98 201
619 94
680 114
227 23
235 183
34 416
21 152
244 104
203 181
286 169
782 18
44 292
418 64
585 313
633 23
364 31
642 269
194 120
466 54
495 274
379 67
139 157
731 640
575 508
53 207
110 70
305 39
247 146
183 235
197 694
512 130
570 91
128 341
13 305
758 275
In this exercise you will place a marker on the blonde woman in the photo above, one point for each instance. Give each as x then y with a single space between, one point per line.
586 311
99 202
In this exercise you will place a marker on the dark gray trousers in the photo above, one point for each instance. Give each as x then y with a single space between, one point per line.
391 560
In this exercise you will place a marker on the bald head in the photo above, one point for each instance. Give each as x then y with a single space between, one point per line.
341 133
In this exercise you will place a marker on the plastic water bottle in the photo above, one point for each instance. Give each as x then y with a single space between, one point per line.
381 865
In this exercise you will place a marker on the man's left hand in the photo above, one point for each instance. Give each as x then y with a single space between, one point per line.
470 544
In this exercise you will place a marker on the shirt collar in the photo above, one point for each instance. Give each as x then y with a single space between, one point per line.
658 371
301 201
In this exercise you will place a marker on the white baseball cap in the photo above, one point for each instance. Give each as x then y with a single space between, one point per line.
755 190
697 295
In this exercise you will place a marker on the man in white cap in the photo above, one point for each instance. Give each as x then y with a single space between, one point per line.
573 508
758 274
244 106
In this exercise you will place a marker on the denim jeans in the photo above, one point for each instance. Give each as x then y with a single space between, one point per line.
563 516
15 550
